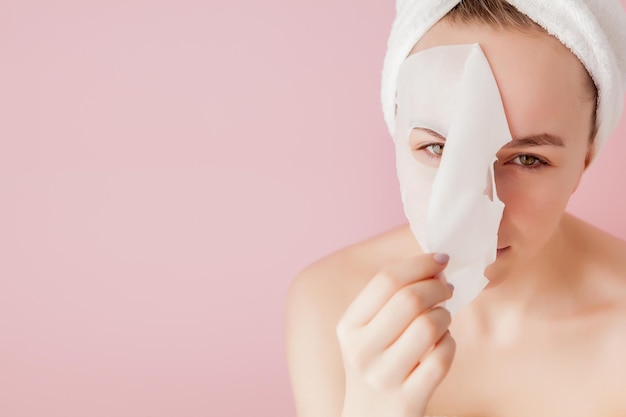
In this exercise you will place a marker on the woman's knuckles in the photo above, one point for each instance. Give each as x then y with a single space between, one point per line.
379 380
441 317
415 299
428 328
343 332
410 302
358 355
407 272
357 361
388 281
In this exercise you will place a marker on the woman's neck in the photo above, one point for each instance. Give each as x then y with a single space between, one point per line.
548 287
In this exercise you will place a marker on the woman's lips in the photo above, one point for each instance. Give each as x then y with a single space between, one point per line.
502 250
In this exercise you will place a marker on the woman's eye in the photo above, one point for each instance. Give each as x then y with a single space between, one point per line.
435 148
528 161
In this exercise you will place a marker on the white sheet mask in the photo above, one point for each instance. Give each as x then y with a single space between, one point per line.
453 208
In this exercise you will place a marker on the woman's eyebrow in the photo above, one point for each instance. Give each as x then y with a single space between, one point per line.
543 139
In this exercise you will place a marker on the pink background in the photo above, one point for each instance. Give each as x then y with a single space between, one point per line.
166 168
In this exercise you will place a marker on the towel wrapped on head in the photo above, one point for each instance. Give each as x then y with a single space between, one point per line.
594 30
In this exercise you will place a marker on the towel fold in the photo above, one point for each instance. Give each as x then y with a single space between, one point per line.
594 30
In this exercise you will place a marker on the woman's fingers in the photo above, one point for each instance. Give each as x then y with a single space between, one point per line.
432 368
396 363
386 283
401 310
392 326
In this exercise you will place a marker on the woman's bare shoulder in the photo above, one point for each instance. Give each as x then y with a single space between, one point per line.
605 260
344 272
600 244
607 281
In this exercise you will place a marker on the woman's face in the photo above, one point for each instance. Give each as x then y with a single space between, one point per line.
549 110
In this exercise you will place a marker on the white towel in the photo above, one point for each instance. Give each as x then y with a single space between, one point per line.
594 30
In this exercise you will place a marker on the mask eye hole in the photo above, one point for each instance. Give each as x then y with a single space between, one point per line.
427 145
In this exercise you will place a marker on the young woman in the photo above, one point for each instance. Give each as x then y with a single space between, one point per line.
546 337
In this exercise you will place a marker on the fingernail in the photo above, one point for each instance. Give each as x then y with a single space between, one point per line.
441 258
451 286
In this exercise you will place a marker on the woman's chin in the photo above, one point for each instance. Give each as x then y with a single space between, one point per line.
496 272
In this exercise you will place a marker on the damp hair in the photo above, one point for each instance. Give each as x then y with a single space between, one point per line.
499 13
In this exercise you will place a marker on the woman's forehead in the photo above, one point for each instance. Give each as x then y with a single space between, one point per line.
542 84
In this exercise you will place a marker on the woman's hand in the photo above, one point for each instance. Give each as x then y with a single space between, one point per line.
395 342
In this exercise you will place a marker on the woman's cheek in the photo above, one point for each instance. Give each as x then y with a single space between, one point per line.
534 201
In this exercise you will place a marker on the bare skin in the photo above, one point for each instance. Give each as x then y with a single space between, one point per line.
545 338
570 365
